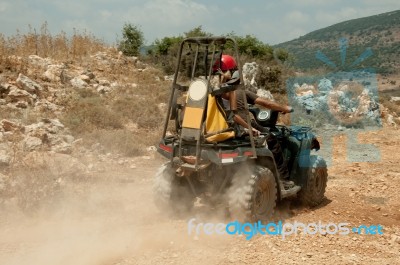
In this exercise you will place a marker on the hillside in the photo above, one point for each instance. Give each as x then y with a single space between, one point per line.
380 33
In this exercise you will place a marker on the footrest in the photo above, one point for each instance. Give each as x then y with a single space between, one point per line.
290 192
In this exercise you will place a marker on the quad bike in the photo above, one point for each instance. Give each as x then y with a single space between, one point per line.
212 162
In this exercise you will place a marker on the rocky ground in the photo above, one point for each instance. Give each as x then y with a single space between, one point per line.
64 202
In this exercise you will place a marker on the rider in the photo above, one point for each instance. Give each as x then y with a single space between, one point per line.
227 69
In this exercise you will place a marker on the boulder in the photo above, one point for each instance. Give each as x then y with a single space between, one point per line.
9 126
28 85
39 61
250 71
324 86
85 78
5 154
16 95
395 99
45 105
77 82
53 72
31 143
4 88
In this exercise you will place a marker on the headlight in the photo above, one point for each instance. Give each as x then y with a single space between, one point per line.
263 115
197 90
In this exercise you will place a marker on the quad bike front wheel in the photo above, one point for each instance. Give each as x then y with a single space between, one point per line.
252 195
172 193
313 193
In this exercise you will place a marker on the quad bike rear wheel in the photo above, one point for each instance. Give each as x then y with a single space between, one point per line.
313 193
252 196
172 193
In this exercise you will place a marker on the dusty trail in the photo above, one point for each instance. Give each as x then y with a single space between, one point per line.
116 222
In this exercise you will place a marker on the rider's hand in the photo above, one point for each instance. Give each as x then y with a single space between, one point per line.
289 109
256 132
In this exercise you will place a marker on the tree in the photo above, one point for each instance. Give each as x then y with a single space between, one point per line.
282 55
132 40
252 46
168 44
197 32
162 47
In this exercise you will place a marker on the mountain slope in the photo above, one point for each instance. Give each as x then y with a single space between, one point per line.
380 33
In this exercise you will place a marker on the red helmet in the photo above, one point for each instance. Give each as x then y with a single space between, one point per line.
227 63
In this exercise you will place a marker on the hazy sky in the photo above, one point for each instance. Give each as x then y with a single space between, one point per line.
271 21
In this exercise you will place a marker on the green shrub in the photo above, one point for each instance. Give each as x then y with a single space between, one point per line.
132 40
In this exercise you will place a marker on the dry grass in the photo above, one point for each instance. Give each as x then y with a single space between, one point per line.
42 43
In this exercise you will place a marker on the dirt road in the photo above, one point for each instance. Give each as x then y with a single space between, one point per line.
111 219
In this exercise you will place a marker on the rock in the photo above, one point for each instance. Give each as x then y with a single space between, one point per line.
31 143
32 128
8 125
390 120
103 89
250 71
85 78
169 78
53 72
104 82
324 85
307 93
15 95
89 74
68 139
151 148
21 104
39 61
76 82
115 85
4 88
28 85
262 93
45 105
162 107
394 99
62 148
133 59
54 122
5 157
